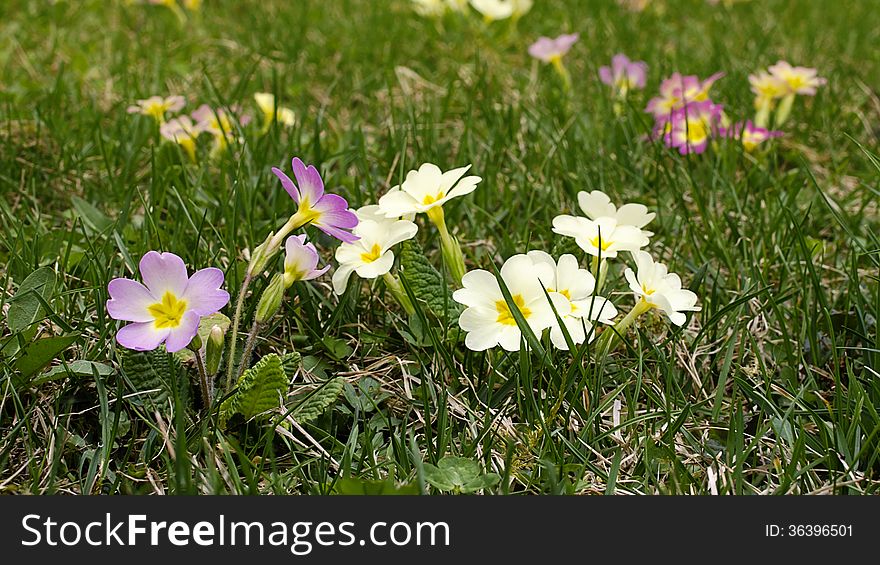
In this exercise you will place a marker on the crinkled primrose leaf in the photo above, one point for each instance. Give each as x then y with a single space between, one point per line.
314 403
153 374
259 389
426 282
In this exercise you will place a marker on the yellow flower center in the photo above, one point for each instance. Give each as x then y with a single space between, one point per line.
156 110
504 315
564 292
374 253
696 131
305 213
605 243
428 200
169 312
648 291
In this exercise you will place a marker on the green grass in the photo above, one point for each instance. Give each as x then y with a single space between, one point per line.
773 388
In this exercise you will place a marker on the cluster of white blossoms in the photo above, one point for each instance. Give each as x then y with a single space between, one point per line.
564 298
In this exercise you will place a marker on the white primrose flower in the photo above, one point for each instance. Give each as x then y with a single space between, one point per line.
572 289
597 204
655 287
488 320
370 256
426 189
603 236
501 9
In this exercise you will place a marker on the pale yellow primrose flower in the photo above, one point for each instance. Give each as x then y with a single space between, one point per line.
655 287
426 190
571 289
798 80
502 9
597 204
370 256
192 5
430 8
488 320
603 236
156 107
266 102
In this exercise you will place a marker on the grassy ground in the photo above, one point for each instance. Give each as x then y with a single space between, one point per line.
772 388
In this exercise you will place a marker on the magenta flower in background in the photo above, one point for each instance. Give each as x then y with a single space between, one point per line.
300 260
549 50
168 306
750 135
690 128
327 212
677 91
624 75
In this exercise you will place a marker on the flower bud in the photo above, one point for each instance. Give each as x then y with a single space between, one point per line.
271 299
214 350
261 255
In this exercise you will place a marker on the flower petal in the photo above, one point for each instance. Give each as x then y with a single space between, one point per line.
179 337
341 276
311 187
377 268
141 336
203 293
164 272
129 301
287 184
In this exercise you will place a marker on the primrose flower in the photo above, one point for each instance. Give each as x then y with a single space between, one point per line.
266 102
751 135
300 261
624 75
798 80
370 256
327 212
168 306
488 320
677 91
156 107
766 88
501 9
426 189
572 289
691 127
182 131
597 204
603 237
550 50
655 287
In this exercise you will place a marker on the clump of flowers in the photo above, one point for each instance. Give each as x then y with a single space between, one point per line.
551 51
623 76
558 295
781 82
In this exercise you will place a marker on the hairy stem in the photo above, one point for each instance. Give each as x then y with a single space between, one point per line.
236 319
248 348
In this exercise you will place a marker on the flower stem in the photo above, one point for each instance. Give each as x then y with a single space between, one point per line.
562 71
783 110
605 343
394 287
448 245
236 319
248 347
204 381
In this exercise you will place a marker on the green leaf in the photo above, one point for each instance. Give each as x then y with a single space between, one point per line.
154 374
426 282
313 404
458 474
291 362
366 396
90 215
25 307
79 368
40 353
352 486
259 389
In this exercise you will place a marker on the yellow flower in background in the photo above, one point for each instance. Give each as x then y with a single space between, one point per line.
192 5
266 102
182 131
156 107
